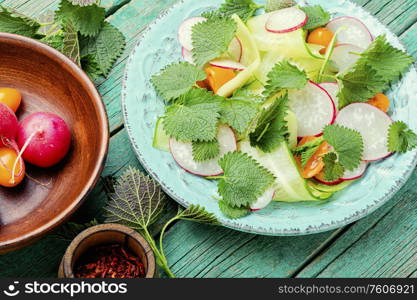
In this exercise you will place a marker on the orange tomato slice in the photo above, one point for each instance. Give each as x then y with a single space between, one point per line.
8 157
315 164
320 36
217 77
380 101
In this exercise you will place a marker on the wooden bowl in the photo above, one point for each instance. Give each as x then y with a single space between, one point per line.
49 81
107 234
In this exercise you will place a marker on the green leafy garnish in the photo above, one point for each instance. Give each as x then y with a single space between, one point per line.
55 41
285 75
91 66
244 180
271 128
232 212
70 43
333 169
197 214
13 22
307 150
205 150
238 113
347 143
84 2
401 138
272 5
212 38
245 9
317 16
176 79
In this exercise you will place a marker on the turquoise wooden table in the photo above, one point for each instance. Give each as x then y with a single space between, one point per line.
380 245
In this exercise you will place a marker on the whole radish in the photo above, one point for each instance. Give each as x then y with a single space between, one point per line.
44 139
8 124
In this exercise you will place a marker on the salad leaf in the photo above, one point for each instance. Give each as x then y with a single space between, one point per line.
272 5
84 2
86 19
70 43
232 212
197 214
401 138
48 27
285 75
347 143
306 155
245 9
333 169
176 79
238 113
90 66
55 41
244 180
271 128
211 38
13 22
205 150
307 150
317 16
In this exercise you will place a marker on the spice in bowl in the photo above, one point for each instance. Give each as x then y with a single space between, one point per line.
109 261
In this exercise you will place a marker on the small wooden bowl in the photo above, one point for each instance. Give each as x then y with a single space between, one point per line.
51 82
107 234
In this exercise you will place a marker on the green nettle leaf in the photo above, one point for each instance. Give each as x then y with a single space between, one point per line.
84 2
197 214
245 9
232 212
70 230
307 150
317 16
13 22
333 170
177 79
401 138
106 46
137 200
88 20
55 41
48 27
272 5
71 46
205 150
91 66
238 113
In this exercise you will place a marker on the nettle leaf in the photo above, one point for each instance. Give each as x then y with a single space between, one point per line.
88 20
317 16
232 212
71 46
50 28
84 2
401 138
13 22
70 230
137 201
106 46
272 5
91 66
333 169
205 150
245 9
307 150
238 113
55 41
197 214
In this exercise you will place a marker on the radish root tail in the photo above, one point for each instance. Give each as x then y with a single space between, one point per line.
19 157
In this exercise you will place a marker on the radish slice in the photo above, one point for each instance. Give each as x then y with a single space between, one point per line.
313 107
286 20
355 174
372 123
329 182
225 63
185 32
235 49
332 88
187 56
263 200
183 154
356 32
342 56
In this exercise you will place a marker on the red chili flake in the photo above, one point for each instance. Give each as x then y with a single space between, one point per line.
109 261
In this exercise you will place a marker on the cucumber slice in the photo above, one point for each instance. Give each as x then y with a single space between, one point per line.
290 186
330 188
160 138
292 129
320 194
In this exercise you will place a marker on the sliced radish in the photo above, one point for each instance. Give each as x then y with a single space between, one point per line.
372 123
187 56
235 49
356 32
328 182
355 174
313 107
343 57
286 20
263 200
185 32
225 63
332 88
183 154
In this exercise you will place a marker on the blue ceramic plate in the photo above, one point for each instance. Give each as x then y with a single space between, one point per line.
141 107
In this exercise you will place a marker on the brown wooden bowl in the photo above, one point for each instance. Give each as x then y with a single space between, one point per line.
49 81
107 234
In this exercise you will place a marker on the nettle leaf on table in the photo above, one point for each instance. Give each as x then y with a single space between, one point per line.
272 5
211 38
48 27
84 2
245 9
86 19
106 46
13 22
205 150
197 214
71 45
232 212
55 41
91 66
317 16
401 138
176 79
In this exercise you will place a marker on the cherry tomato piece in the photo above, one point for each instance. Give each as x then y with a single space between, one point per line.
380 101
217 77
8 157
11 98
320 36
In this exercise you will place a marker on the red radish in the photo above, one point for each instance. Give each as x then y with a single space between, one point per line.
356 33
235 49
225 63
185 32
355 174
263 200
8 124
343 57
183 154
332 88
313 108
187 56
286 20
44 139
329 182
372 123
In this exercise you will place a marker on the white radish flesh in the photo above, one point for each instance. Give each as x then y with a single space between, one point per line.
225 63
263 200
355 174
372 124
183 154
286 20
235 49
343 57
313 107
187 56
332 88
356 33
185 32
